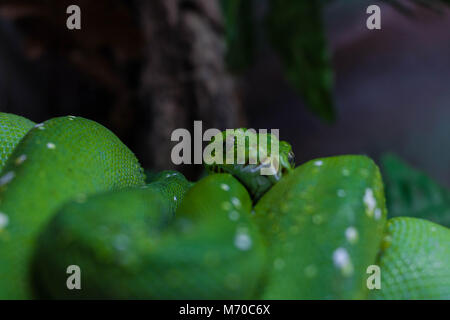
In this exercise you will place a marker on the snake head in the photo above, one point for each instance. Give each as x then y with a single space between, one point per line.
257 160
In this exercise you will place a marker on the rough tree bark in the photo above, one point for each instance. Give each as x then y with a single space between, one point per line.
184 76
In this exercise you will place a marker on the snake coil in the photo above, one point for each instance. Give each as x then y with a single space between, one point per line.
309 232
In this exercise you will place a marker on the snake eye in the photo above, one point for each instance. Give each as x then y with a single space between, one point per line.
291 158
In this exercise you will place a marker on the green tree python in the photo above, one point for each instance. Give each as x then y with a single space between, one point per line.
58 160
12 129
73 194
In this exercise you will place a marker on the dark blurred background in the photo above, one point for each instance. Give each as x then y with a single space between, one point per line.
144 68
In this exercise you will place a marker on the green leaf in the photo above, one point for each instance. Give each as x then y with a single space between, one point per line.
239 33
412 193
296 32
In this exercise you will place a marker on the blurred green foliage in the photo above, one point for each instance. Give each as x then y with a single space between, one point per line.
295 30
412 193
239 32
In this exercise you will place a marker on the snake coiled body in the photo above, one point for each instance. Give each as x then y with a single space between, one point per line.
56 161
309 232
